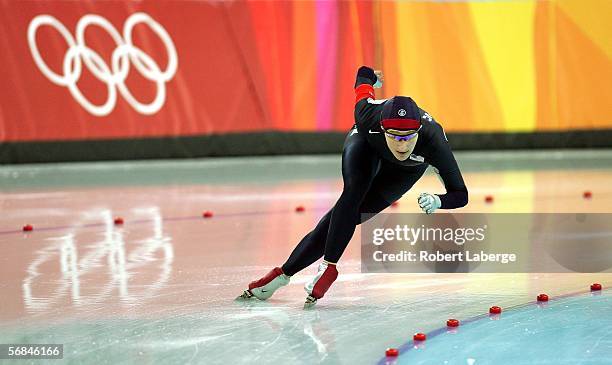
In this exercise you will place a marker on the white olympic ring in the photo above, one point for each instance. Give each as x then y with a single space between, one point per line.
113 76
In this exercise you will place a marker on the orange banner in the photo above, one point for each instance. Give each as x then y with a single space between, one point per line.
84 70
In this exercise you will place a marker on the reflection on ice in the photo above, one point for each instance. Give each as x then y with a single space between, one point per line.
109 262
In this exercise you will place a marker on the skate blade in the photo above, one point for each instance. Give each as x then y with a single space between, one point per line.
310 302
246 295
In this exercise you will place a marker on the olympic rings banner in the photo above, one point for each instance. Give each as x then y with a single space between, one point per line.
114 77
99 70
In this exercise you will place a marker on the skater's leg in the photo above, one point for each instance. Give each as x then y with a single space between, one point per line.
390 183
359 168
358 162
310 248
327 272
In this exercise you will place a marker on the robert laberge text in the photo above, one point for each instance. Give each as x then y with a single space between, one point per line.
426 256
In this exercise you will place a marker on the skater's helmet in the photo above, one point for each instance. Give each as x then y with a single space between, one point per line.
402 114
401 122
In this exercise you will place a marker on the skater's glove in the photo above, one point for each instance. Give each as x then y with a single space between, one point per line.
429 202
379 79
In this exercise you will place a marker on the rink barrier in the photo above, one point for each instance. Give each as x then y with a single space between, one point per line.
269 144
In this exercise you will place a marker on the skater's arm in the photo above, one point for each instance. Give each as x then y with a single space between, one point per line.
456 192
366 76
366 105
443 160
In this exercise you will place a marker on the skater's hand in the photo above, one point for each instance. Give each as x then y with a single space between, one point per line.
429 202
380 79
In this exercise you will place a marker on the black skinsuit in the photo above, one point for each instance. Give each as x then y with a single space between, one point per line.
374 178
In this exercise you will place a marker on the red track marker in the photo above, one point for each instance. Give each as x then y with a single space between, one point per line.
595 287
489 199
495 310
587 195
118 221
542 298
207 214
419 337
452 323
300 208
28 228
395 204
392 352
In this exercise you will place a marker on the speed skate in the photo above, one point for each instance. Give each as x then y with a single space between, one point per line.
263 288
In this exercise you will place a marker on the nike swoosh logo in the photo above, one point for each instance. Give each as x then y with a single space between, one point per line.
264 291
372 132
417 158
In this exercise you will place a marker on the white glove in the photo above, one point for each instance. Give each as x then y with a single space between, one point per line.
429 202
379 79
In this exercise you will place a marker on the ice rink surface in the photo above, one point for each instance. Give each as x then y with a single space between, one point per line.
160 288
